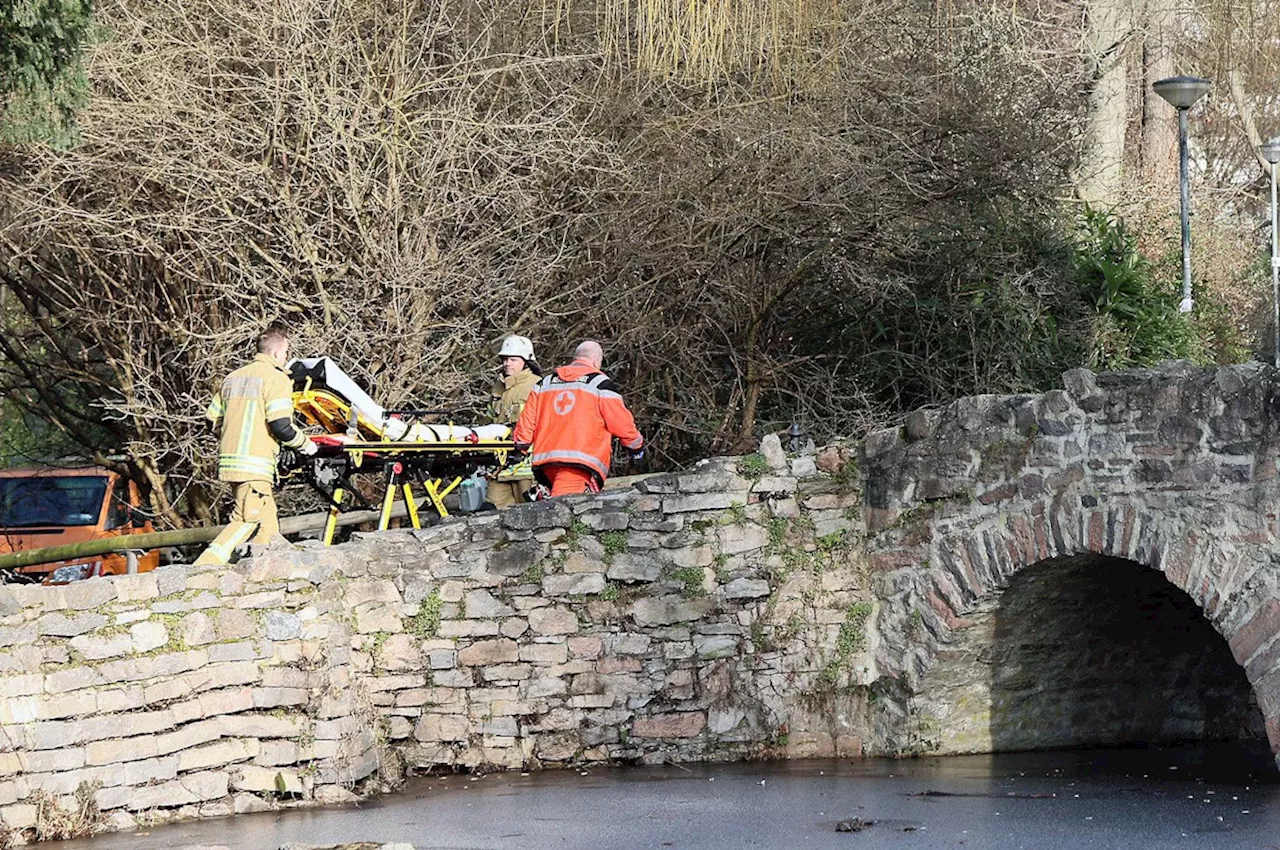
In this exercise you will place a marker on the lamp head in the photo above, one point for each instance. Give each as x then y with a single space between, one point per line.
1182 92
1270 150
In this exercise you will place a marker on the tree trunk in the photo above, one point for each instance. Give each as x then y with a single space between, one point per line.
1159 145
1107 30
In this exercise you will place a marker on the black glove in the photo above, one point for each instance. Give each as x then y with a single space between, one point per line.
517 455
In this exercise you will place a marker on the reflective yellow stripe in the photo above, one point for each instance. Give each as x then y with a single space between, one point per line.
246 463
279 408
216 408
225 545
246 427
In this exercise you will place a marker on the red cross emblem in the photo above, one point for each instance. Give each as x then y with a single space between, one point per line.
564 402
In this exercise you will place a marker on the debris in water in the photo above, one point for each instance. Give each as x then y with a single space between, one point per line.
854 825
1015 795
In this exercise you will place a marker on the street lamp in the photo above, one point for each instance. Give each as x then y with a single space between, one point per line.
1271 153
1181 93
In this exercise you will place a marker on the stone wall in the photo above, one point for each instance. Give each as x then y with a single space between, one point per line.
177 693
689 619
1172 469
849 602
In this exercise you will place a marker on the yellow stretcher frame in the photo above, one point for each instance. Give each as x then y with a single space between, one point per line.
324 409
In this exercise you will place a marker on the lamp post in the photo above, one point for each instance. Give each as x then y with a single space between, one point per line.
1182 93
1271 153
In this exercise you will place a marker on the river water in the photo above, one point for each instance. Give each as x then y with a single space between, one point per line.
1188 797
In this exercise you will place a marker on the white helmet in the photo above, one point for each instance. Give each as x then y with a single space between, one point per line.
517 346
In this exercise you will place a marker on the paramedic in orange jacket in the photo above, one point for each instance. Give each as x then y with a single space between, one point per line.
569 421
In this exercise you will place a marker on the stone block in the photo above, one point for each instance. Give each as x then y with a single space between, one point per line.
628 643
365 590
119 749
634 568
715 646
399 652
547 686
207 785
611 520
232 624
137 588
165 795
545 653
276 753
376 617
150 770
482 605
585 647
746 588
148 635
515 558
90 593
218 754
779 484
536 516
19 815
692 556
701 502
739 538
269 780
171 579
480 653
513 627
442 659
52 761
260 726
553 621
97 647
17 635
506 672
442 727
665 610
61 625
571 584
246 803
282 625
680 725
579 562
196 629
191 735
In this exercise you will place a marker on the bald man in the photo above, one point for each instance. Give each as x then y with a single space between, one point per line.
569 422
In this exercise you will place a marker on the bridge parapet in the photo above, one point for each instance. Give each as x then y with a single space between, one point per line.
842 603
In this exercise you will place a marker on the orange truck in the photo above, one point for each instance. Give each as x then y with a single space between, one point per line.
43 507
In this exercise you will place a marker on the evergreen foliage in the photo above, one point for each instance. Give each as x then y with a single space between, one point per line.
42 79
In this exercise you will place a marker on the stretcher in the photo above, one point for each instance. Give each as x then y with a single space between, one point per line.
354 434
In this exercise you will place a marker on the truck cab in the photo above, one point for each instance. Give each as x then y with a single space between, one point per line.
42 507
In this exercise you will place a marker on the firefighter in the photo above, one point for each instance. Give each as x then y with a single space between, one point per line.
520 371
569 422
255 410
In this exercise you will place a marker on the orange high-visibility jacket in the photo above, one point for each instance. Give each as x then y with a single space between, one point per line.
571 416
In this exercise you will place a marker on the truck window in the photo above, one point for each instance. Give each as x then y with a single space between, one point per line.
51 500
118 512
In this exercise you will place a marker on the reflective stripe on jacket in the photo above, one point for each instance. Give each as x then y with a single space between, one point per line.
251 397
571 416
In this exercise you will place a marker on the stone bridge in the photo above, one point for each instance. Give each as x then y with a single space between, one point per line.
1093 565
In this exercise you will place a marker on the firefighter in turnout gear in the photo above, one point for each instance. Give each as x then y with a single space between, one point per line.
569 422
520 372
255 411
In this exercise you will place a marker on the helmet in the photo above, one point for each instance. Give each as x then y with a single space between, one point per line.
517 346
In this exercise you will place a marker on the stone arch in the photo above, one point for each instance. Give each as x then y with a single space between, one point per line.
1218 554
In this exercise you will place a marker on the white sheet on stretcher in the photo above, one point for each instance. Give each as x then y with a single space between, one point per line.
394 428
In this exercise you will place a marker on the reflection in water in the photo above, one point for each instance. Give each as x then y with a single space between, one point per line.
1218 796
